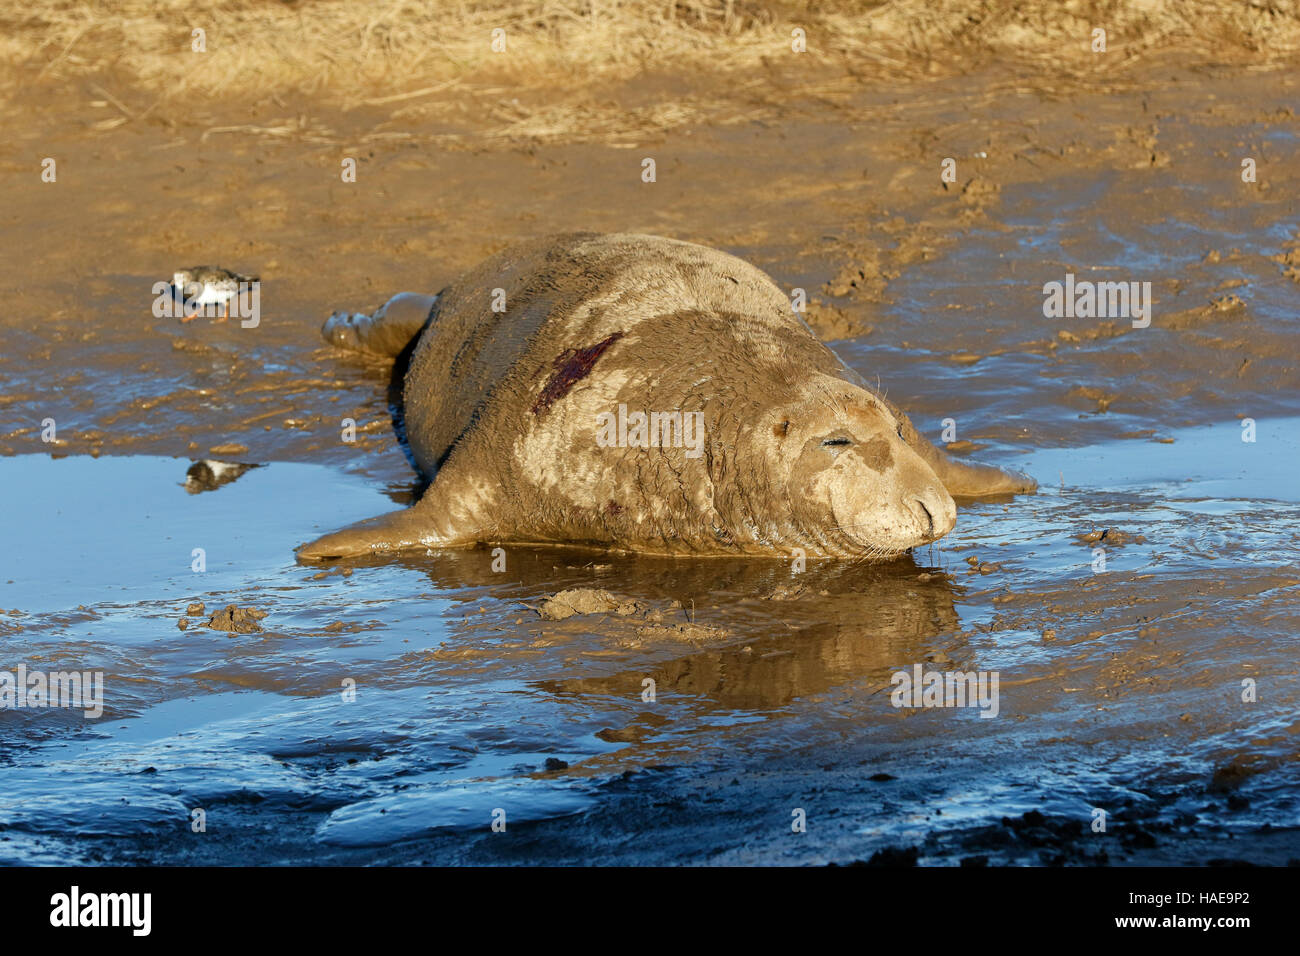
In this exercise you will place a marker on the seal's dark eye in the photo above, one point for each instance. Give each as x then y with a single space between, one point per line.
834 442
901 435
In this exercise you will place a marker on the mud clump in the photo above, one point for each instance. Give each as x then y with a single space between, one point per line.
979 192
785 592
1087 393
1215 310
689 633
649 622
1112 537
567 603
863 277
832 323
1234 773
891 857
237 620
1033 829
1290 259
194 609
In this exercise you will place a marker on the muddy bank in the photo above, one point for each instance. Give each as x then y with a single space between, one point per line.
864 225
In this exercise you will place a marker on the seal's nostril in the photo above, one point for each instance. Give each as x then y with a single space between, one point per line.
928 516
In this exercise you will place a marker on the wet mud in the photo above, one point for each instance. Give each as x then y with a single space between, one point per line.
1140 610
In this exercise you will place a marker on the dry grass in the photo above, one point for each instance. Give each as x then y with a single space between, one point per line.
358 50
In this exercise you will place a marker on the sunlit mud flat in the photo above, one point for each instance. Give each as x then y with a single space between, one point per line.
1120 689
964 334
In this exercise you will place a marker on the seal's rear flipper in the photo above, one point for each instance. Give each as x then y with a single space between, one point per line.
388 332
396 531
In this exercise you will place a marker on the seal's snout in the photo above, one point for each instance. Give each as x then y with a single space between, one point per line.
935 511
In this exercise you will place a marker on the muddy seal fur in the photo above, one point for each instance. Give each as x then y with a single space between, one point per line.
524 365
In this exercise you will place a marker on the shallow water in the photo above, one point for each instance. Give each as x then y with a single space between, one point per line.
463 692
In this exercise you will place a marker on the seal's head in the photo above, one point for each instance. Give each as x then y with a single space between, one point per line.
853 485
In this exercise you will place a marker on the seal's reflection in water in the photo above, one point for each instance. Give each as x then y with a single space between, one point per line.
765 638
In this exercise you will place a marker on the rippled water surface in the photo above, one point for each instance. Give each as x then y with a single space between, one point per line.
463 693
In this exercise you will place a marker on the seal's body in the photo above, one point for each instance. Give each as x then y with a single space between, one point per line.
643 394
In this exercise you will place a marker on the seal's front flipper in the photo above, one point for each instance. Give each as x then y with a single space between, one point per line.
962 479
443 518
971 480
398 531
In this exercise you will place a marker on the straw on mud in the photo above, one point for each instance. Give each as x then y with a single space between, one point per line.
343 46
386 54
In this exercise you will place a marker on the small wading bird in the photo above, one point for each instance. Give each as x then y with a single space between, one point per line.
203 286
